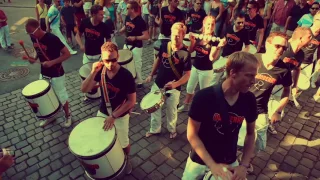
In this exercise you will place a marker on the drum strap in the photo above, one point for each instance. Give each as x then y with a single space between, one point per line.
105 90
171 63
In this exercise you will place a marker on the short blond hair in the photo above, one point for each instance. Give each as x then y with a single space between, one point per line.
272 35
180 27
237 60
299 32
109 46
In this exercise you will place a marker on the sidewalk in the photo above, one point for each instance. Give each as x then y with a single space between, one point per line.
19 3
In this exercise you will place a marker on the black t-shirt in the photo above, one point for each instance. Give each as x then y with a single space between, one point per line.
291 59
51 46
296 13
218 136
196 18
202 61
235 41
266 80
135 27
310 49
154 7
118 87
252 25
77 9
168 19
181 61
68 15
94 36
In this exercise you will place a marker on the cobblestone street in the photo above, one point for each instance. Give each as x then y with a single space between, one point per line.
44 154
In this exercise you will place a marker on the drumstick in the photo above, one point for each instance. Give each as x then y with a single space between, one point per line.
22 45
27 59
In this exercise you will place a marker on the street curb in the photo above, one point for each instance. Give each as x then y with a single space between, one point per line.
17 6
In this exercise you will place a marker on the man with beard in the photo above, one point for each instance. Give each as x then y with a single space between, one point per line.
195 17
136 31
254 24
215 118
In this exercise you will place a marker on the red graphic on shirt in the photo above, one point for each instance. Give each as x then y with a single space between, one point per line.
235 122
42 46
233 118
247 23
266 78
315 42
130 26
92 34
170 18
90 168
233 37
112 90
165 55
291 61
201 50
34 107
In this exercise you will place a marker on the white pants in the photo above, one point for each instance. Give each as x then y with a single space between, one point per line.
90 59
57 32
306 69
137 58
171 112
5 39
203 77
195 171
161 36
122 127
217 76
58 85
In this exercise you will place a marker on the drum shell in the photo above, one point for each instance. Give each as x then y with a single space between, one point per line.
128 64
155 106
44 104
95 93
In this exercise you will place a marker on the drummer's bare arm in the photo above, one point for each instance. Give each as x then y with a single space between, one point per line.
145 36
248 148
284 99
129 104
184 79
78 39
154 70
122 30
88 83
65 54
214 53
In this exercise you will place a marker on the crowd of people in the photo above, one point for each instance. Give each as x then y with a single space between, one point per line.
242 51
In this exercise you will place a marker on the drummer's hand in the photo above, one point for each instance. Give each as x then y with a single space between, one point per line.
48 64
30 59
6 162
192 38
108 123
221 170
149 79
239 172
222 42
96 67
276 117
171 85
131 38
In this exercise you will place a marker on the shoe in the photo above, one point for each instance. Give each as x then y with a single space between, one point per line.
73 52
313 85
86 100
10 47
139 86
250 169
45 122
128 168
67 122
272 129
184 108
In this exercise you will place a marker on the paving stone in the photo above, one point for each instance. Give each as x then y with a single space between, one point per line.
154 147
34 176
155 175
76 173
307 162
293 131
143 143
305 134
66 169
31 139
286 167
302 170
68 158
44 154
21 158
158 158
15 140
53 142
57 134
181 156
20 175
297 155
177 145
37 143
144 154
315 173
148 167
32 161
32 169
55 156
172 177
9 125
173 162
259 162
165 169
75 164
55 165
13 135
20 167
34 152
58 147
178 172
291 161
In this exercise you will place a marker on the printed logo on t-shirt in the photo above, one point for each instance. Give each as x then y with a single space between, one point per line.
39 47
130 26
92 34
249 25
313 44
263 78
169 18
195 17
234 119
165 60
201 52
291 61
232 39
112 90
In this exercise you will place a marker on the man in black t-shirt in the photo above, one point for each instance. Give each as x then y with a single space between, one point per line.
168 16
196 16
136 31
173 65
118 99
254 24
79 12
51 53
153 13
215 117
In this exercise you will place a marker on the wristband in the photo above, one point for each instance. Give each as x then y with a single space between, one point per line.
246 166
113 116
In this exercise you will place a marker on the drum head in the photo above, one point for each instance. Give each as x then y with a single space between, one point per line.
85 70
89 139
125 56
303 82
35 87
150 100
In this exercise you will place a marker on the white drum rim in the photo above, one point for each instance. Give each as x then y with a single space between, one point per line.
126 61
100 154
39 94
84 65
144 99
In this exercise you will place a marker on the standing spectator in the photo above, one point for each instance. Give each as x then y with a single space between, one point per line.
296 13
87 4
6 161
280 14
68 20
216 11
109 6
146 16
53 24
122 12
307 19
196 16
78 6
42 12
153 8
5 39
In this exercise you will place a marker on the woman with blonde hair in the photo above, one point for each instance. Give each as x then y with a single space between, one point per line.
207 52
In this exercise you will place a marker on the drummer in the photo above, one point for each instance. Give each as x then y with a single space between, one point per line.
272 72
136 31
195 17
215 118
51 53
206 52
173 61
122 96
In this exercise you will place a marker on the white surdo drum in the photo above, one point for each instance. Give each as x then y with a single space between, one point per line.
152 101
84 72
126 61
42 99
98 151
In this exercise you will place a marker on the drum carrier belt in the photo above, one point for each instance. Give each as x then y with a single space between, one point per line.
171 63
105 91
